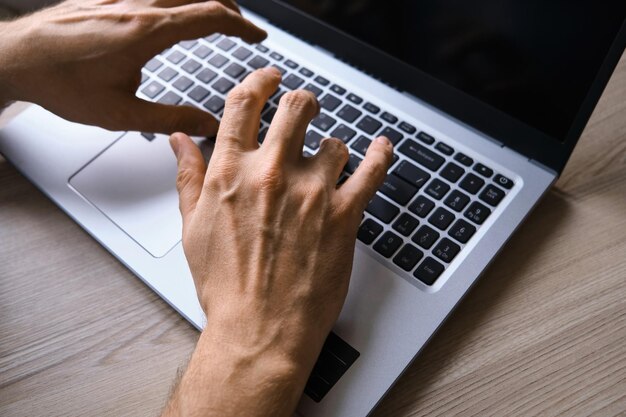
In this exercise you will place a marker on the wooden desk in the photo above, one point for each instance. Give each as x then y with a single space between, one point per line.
542 333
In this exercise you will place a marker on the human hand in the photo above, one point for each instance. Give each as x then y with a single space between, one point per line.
82 59
269 236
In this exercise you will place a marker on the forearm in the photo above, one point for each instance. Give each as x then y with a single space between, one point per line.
224 379
9 58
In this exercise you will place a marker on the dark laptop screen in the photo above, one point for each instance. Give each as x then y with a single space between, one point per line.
532 59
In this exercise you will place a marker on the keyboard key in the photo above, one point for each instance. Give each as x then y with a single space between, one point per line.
389 118
277 56
323 122
218 61
393 135
361 144
354 98
422 155
149 136
462 231
340 91
175 57
262 48
168 74
191 66
278 95
226 44
477 213
369 125
206 75
444 149
258 62
382 209
344 133
406 224
441 218
492 195
153 89
503 181
262 135
314 89
313 139
422 206
471 183
320 80
372 108
452 172
369 231
353 163
412 174
290 64
437 189
483 170
398 190
408 257
234 70
463 159
153 65
407 128
268 117
170 98
457 201
426 237
215 104
198 93
223 85
213 37
188 44
388 244
349 113
446 250
306 72
182 84
426 138
242 53
293 82
144 78
428 271
330 102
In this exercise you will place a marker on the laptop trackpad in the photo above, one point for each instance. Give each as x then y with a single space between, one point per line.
133 183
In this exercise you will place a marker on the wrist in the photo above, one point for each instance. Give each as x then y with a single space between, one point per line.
10 61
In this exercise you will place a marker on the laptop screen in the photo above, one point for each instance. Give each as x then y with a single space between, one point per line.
534 59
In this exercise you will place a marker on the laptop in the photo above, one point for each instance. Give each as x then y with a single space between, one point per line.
484 103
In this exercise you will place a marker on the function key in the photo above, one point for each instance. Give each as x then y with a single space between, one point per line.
426 138
330 102
354 98
369 125
429 271
452 172
389 118
372 108
388 244
338 89
483 170
492 195
422 206
408 257
276 56
463 159
258 62
306 72
405 127
405 224
382 209
242 53
471 183
446 250
393 135
321 80
477 213
441 218
369 231
349 113
426 237
290 64
462 231
226 44
444 149
503 181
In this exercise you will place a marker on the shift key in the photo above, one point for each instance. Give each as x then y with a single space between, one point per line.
422 155
382 209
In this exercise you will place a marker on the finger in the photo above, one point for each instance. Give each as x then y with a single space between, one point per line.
242 112
196 20
175 3
331 159
191 172
144 116
285 137
362 185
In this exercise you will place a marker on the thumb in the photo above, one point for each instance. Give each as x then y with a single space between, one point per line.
191 172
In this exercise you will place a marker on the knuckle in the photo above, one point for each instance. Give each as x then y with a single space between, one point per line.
338 147
243 96
270 179
184 177
216 9
299 100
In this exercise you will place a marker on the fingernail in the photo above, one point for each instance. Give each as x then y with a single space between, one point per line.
174 144
383 141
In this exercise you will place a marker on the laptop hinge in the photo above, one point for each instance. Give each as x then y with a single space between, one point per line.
542 166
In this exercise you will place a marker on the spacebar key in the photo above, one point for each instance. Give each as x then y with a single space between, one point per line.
382 209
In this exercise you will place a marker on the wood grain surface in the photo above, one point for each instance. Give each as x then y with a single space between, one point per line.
542 333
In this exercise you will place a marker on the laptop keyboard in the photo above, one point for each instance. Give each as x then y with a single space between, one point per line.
434 198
